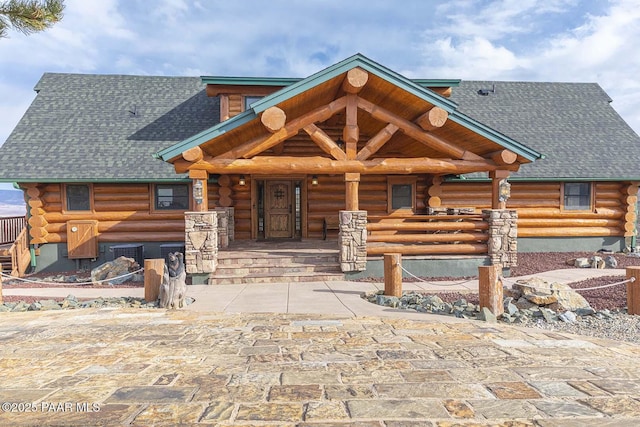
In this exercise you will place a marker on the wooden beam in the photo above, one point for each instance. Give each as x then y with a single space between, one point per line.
355 80
325 142
435 118
224 107
374 144
193 154
503 157
262 143
414 131
323 165
273 118
351 132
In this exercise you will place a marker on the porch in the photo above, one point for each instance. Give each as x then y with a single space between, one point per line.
436 246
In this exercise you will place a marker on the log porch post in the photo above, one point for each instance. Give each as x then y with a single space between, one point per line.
199 190
352 182
497 177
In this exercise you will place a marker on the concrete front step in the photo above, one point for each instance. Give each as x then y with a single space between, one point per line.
214 279
277 260
275 270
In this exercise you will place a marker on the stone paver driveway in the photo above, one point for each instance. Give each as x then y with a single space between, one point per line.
116 367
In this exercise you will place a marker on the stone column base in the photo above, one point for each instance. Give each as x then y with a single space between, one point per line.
352 241
201 242
503 236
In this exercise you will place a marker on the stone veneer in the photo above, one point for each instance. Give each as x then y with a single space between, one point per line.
352 240
201 242
226 219
503 236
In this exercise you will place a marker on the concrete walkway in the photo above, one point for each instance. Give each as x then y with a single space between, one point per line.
332 297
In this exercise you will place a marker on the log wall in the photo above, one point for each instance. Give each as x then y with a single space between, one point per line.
540 212
122 211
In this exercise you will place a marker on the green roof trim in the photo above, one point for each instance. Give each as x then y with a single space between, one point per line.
286 81
357 60
249 81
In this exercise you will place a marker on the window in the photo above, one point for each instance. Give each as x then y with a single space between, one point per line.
78 197
577 196
172 197
401 193
248 100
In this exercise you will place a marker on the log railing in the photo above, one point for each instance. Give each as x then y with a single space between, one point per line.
10 228
20 254
427 234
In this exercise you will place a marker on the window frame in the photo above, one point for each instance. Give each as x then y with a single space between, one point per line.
65 197
563 197
154 197
247 100
401 180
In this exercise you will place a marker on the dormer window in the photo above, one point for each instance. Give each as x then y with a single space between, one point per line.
248 100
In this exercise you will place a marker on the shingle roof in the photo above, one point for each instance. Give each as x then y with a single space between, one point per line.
81 127
572 124
105 127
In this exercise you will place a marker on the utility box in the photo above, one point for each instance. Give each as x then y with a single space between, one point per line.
82 239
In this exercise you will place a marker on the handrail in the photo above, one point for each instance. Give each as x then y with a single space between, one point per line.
20 254
10 228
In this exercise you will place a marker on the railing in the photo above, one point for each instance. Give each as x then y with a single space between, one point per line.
20 254
10 228
464 234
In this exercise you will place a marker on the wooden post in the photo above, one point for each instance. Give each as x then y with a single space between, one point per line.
153 271
496 177
490 287
633 290
352 181
200 178
393 275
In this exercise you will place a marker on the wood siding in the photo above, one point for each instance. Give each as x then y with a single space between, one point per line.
540 212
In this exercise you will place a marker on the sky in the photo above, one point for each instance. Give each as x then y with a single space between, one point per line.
513 40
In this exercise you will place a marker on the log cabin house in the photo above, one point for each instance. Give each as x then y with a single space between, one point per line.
356 157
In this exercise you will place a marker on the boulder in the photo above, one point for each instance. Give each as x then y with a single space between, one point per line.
582 263
536 291
568 299
597 262
611 262
118 269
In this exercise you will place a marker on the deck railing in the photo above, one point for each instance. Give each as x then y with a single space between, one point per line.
464 234
20 254
10 228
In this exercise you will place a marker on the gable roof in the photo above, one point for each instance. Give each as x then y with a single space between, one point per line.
85 127
573 124
81 127
327 75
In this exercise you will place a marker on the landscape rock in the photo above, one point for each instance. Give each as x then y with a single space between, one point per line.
568 299
597 262
536 290
611 262
568 317
118 269
486 315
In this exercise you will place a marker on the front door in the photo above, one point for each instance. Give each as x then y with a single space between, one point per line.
278 212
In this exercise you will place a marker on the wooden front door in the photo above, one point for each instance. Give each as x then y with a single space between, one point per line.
278 212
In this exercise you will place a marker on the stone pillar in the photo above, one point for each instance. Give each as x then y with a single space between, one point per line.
226 220
352 240
201 242
503 236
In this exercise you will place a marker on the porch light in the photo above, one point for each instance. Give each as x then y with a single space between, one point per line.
242 180
504 190
314 180
197 191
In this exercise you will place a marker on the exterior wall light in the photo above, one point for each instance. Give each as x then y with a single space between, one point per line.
504 191
314 180
242 180
197 191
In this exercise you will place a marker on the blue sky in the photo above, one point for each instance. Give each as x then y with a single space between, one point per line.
541 40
